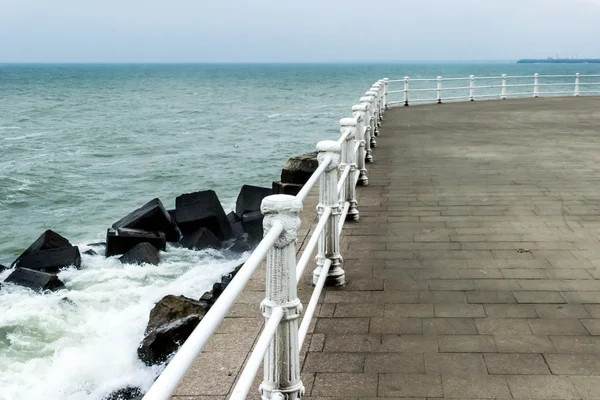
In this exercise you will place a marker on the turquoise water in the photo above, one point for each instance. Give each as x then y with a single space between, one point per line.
82 145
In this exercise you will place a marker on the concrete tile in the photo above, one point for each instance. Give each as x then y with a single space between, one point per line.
582 297
205 384
334 362
539 297
454 364
359 343
342 325
442 297
510 311
449 326
593 310
490 297
576 344
408 310
523 344
409 343
587 386
358 310
410 385
396 325
557 327
592 326
502 326
556 311
459 310
515 364
542 387
345 385
475 387
404 363
574 364
466 344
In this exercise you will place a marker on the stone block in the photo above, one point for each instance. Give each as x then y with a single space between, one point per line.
202 210
300 168
253 225
35 280
51 260
250 198
48 240
152 217
143 253
201 239
120 241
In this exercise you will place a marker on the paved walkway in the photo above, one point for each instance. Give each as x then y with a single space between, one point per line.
472 273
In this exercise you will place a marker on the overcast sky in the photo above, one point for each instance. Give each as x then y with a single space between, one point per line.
295 31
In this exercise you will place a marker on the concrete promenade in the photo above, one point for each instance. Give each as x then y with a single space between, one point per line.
473 272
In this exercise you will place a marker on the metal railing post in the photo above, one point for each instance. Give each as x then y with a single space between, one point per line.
406 91
439 90
503 93
577 76
359 112
349 158
368 101
375 115
536 85
282 360
472 88
385 93
329 241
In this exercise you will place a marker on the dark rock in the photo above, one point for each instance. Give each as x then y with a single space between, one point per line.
219 287
286 188
35 280
2 267
120 241
202 210
300 168
152 217
253 225
128 393
48 240
236 270
68 301
250 198
171 308
51 260
208 299
241 244
99 244
143 253
165 340
90 252
235 221
172 215
200 240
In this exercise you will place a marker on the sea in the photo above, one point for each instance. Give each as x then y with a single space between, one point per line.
82 145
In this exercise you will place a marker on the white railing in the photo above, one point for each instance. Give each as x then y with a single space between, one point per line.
501 87
341 168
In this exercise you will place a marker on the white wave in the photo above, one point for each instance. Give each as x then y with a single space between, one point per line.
7 128
85 348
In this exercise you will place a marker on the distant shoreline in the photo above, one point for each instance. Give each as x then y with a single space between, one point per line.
560 61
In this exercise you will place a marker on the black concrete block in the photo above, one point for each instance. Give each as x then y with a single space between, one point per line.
241 244
143 253
235 221
35 280
51 260
300 168
90 252
250 197
287 188
152 216
48 240
202 239
202 210
120 241
253 225
2 267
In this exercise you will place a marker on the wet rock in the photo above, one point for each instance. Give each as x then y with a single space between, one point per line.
286 188
120 241
35 280
90 252
128 393
152 217
299 169
241 244
48 240
202 210
250 198
158 345
143 253
51 260
171 308
202 239
171 321
235 221
253 226
219 287
68 301
2 267
99 244
208 299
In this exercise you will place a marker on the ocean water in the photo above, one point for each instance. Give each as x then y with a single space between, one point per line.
83 145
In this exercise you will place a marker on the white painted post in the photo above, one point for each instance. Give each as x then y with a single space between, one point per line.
472 88
439 90
375 114
577 76
282 360
368 100
536 85
406 91
329 241
385 93
349 158
380 94
359 112
503 93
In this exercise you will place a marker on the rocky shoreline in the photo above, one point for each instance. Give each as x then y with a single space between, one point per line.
198 222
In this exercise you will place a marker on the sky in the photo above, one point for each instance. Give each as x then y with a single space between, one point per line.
296 31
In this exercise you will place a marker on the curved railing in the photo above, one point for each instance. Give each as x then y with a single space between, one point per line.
500 87
341 168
